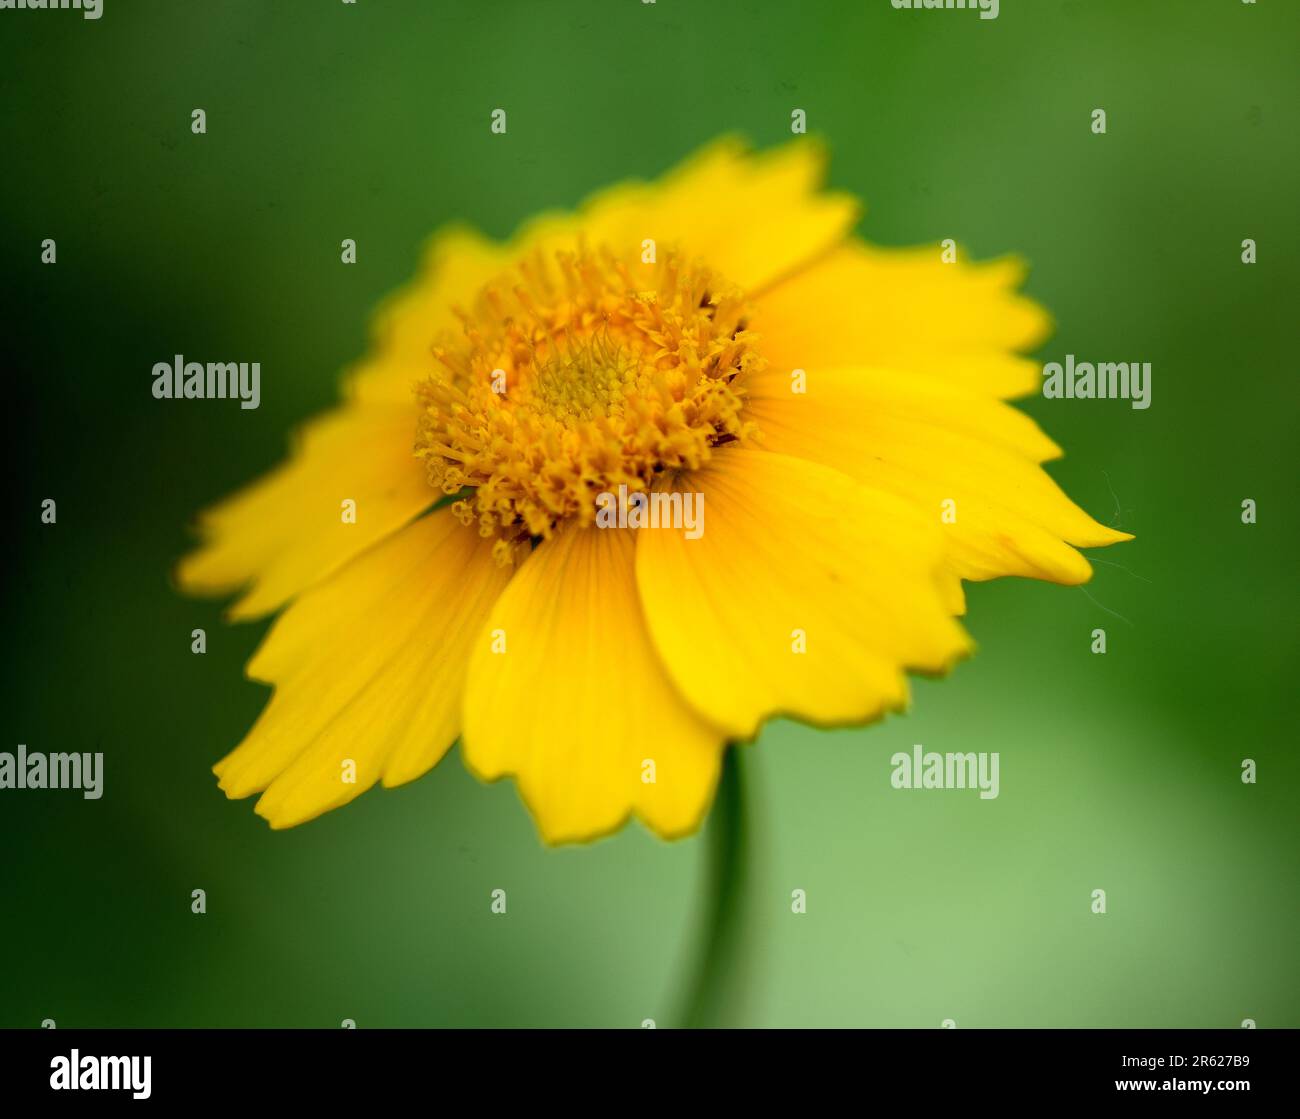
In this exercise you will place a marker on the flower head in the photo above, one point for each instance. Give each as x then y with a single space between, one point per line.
839 410
576 373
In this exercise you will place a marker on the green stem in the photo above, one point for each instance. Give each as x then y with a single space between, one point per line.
718 971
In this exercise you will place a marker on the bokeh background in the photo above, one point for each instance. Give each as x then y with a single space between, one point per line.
370 121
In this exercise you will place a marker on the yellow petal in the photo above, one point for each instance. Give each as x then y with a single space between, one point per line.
932 443
458 262
368 668
753 217
287 531
577 704
905 309
794 553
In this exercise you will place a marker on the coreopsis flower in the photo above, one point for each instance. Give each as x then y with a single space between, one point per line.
436 542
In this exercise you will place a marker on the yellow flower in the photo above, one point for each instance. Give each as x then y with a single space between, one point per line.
657 339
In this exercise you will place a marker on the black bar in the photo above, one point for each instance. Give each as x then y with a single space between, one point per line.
334 1068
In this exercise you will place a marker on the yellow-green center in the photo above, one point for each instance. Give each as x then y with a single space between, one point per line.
574 375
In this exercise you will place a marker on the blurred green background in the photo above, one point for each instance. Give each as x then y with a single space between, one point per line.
370 121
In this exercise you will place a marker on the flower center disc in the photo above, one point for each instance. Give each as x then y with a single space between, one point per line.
571 378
